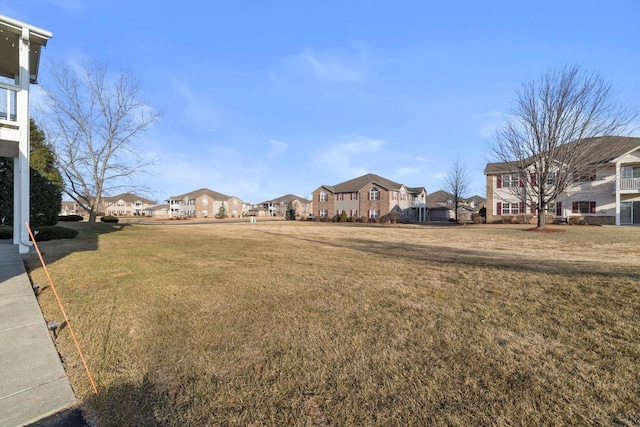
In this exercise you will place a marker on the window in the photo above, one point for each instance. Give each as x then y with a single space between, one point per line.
339 196
354 196
121 204
353 212
323 196
506 181
373 213
551 178
510 208
323 213
235 202
403 196
631 172
584 207
374 194
394 195
205 201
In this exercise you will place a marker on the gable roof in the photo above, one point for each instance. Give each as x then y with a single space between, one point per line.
604 149
201 192
440 199
129 198
416 190
158 207
476 199
287 198
356 184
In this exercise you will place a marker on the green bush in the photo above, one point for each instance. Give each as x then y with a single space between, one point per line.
109 219
70 218
6 232
53 232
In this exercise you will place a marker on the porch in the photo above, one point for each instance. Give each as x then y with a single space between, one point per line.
20 47
630 184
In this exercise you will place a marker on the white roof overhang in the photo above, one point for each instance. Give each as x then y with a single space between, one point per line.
10 37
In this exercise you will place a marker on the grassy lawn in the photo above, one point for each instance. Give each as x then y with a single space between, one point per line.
329 324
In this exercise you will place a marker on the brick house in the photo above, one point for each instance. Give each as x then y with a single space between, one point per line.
126 204
278 206
370 196
204 203
608 194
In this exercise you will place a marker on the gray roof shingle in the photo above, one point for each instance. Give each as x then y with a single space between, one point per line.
605 149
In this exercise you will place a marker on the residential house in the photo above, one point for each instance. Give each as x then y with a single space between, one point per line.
126 204
372 197
278 206
158 211
204 203
246 207
257 210
71 208
441 207
608 194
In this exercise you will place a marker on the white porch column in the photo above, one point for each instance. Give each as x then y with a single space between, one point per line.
21 164
617 193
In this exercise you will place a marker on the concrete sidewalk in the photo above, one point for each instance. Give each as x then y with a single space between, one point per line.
33 384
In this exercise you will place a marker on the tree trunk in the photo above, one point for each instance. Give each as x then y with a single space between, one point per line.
541 215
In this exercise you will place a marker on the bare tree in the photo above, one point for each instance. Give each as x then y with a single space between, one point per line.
93 119
457 184
546 140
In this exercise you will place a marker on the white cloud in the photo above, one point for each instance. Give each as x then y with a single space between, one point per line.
439 175
334 68
194 106
489 123
277 148
352 157
408 171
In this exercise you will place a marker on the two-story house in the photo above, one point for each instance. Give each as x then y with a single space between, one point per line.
370 196
204 203
609 193
278 206
126 204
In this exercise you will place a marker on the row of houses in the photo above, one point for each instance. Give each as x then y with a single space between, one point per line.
202 203
608 194
368 197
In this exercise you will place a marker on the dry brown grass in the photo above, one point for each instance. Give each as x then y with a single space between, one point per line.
341 324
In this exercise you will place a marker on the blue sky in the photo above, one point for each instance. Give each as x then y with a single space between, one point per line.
263 98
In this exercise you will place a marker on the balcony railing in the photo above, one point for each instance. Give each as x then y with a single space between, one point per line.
630 183
8 104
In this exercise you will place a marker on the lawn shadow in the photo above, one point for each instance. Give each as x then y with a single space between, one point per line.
129 403
86 240
474 258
